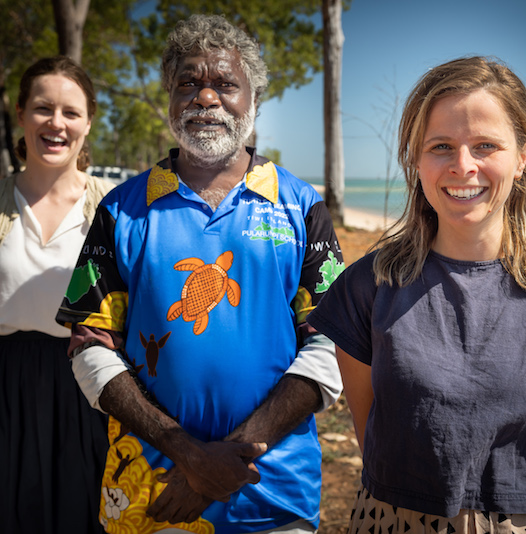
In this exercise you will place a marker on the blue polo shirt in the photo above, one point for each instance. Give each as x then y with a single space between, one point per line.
209 303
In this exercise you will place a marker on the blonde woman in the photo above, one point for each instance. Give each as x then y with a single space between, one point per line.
52 444
430 326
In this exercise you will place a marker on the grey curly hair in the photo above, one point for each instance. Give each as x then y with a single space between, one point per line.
206 32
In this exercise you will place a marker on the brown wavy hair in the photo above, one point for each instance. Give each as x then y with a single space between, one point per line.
68 68
404 247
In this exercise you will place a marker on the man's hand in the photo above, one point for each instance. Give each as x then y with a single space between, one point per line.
214 470
224 465
217 469
178 502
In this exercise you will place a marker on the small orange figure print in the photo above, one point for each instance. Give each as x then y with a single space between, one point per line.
152 351
204 289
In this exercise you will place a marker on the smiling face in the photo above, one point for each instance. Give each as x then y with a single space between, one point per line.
469 161
212 108
55 121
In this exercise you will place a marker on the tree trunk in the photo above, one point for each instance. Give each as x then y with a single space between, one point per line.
70 18
332 60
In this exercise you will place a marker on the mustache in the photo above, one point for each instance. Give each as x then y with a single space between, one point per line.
219 115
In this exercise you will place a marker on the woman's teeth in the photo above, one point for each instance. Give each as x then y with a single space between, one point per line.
53 139
464 194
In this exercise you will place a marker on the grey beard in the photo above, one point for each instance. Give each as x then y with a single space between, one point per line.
210 148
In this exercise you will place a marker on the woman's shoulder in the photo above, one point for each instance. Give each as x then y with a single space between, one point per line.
96 190
8 209
7 183
99 186
7 187
356 282
363 267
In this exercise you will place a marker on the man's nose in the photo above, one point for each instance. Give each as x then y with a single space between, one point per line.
463 162
207 98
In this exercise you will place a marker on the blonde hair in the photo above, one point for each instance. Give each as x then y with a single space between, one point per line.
403 248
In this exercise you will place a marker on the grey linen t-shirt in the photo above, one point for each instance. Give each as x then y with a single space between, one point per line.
447 428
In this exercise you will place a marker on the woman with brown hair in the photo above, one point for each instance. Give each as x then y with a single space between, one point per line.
430 326
52 444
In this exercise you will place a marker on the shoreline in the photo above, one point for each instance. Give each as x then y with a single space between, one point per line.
360 218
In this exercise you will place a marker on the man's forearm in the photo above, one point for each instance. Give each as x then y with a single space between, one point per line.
288 404
214 469
123 399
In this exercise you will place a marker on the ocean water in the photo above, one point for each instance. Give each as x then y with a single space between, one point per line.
368 194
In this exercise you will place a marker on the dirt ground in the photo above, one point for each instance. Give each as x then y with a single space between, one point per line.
341 457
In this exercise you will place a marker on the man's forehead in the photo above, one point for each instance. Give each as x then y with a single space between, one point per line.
221 60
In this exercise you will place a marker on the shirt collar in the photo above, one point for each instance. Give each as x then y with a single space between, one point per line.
262 177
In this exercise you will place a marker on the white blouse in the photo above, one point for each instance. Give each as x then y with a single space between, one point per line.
34 276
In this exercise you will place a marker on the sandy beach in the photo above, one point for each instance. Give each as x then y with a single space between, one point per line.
356 218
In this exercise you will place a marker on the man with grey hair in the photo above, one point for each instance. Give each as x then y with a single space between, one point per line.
187 310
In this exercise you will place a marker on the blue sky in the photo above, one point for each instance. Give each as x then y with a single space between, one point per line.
388 44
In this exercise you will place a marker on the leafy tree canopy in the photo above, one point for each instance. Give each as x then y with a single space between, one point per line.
290 42
122 53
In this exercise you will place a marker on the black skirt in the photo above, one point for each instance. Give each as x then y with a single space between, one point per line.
52 443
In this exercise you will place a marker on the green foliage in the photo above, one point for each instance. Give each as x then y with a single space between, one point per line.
290 42
134 133
122 55
131 135
273 154
25 36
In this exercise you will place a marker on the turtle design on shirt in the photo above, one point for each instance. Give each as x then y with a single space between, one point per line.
204 289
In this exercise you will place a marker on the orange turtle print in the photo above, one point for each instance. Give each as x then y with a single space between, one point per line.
204 289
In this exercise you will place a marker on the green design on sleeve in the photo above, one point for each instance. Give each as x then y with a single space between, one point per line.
330 270
82 279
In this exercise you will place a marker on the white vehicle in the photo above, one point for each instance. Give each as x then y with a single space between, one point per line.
116 175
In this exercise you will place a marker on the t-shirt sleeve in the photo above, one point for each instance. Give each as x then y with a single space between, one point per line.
344 313
96 295
323 261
